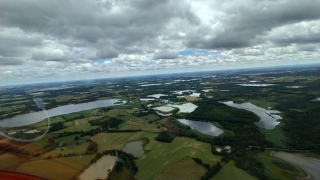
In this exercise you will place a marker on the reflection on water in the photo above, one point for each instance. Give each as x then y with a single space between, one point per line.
30 118
268 118
135 148
203 127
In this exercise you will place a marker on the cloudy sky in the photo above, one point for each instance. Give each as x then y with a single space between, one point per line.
82 39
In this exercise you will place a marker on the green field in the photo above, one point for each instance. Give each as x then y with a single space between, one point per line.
83 127
263 104
150 117
275 135
108 141
161 155
276 171
230 172
136 124
120 114
185 169
72 116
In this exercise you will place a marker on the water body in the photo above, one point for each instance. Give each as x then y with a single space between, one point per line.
31 118
135 148
203 127
185 108
310 166
268 118
157 95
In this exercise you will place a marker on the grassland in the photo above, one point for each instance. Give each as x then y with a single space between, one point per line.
275 135
276 171
142 124
120 114
185 169
150 117
83 127
230 172
263 104
161 155
71 116
109 141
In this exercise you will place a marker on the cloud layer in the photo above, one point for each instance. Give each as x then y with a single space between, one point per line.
48 39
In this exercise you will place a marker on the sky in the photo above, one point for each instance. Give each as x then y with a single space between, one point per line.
60 40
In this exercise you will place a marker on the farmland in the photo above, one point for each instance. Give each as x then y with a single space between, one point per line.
77 138
185 169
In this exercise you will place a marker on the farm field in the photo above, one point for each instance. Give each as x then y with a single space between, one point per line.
108 141
230 172
140 123
54 168
9 159
185 169
161 156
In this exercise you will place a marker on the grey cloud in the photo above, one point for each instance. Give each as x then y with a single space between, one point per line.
245 21
166 55
106 53
10 61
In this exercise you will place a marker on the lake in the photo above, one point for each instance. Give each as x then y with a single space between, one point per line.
31 118
135 148
204 127
268 118
184 108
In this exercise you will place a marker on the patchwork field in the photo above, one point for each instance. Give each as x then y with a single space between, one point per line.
185 169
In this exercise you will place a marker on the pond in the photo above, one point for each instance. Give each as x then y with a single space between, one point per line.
268 118
184 108
31 118
99 170
256 85
157 95
203 127
135 148
164 108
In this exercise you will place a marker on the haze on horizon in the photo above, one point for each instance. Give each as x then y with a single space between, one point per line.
70 40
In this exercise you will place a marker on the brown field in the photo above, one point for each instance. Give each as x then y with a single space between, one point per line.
7 160
55 168
190 98
185 169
